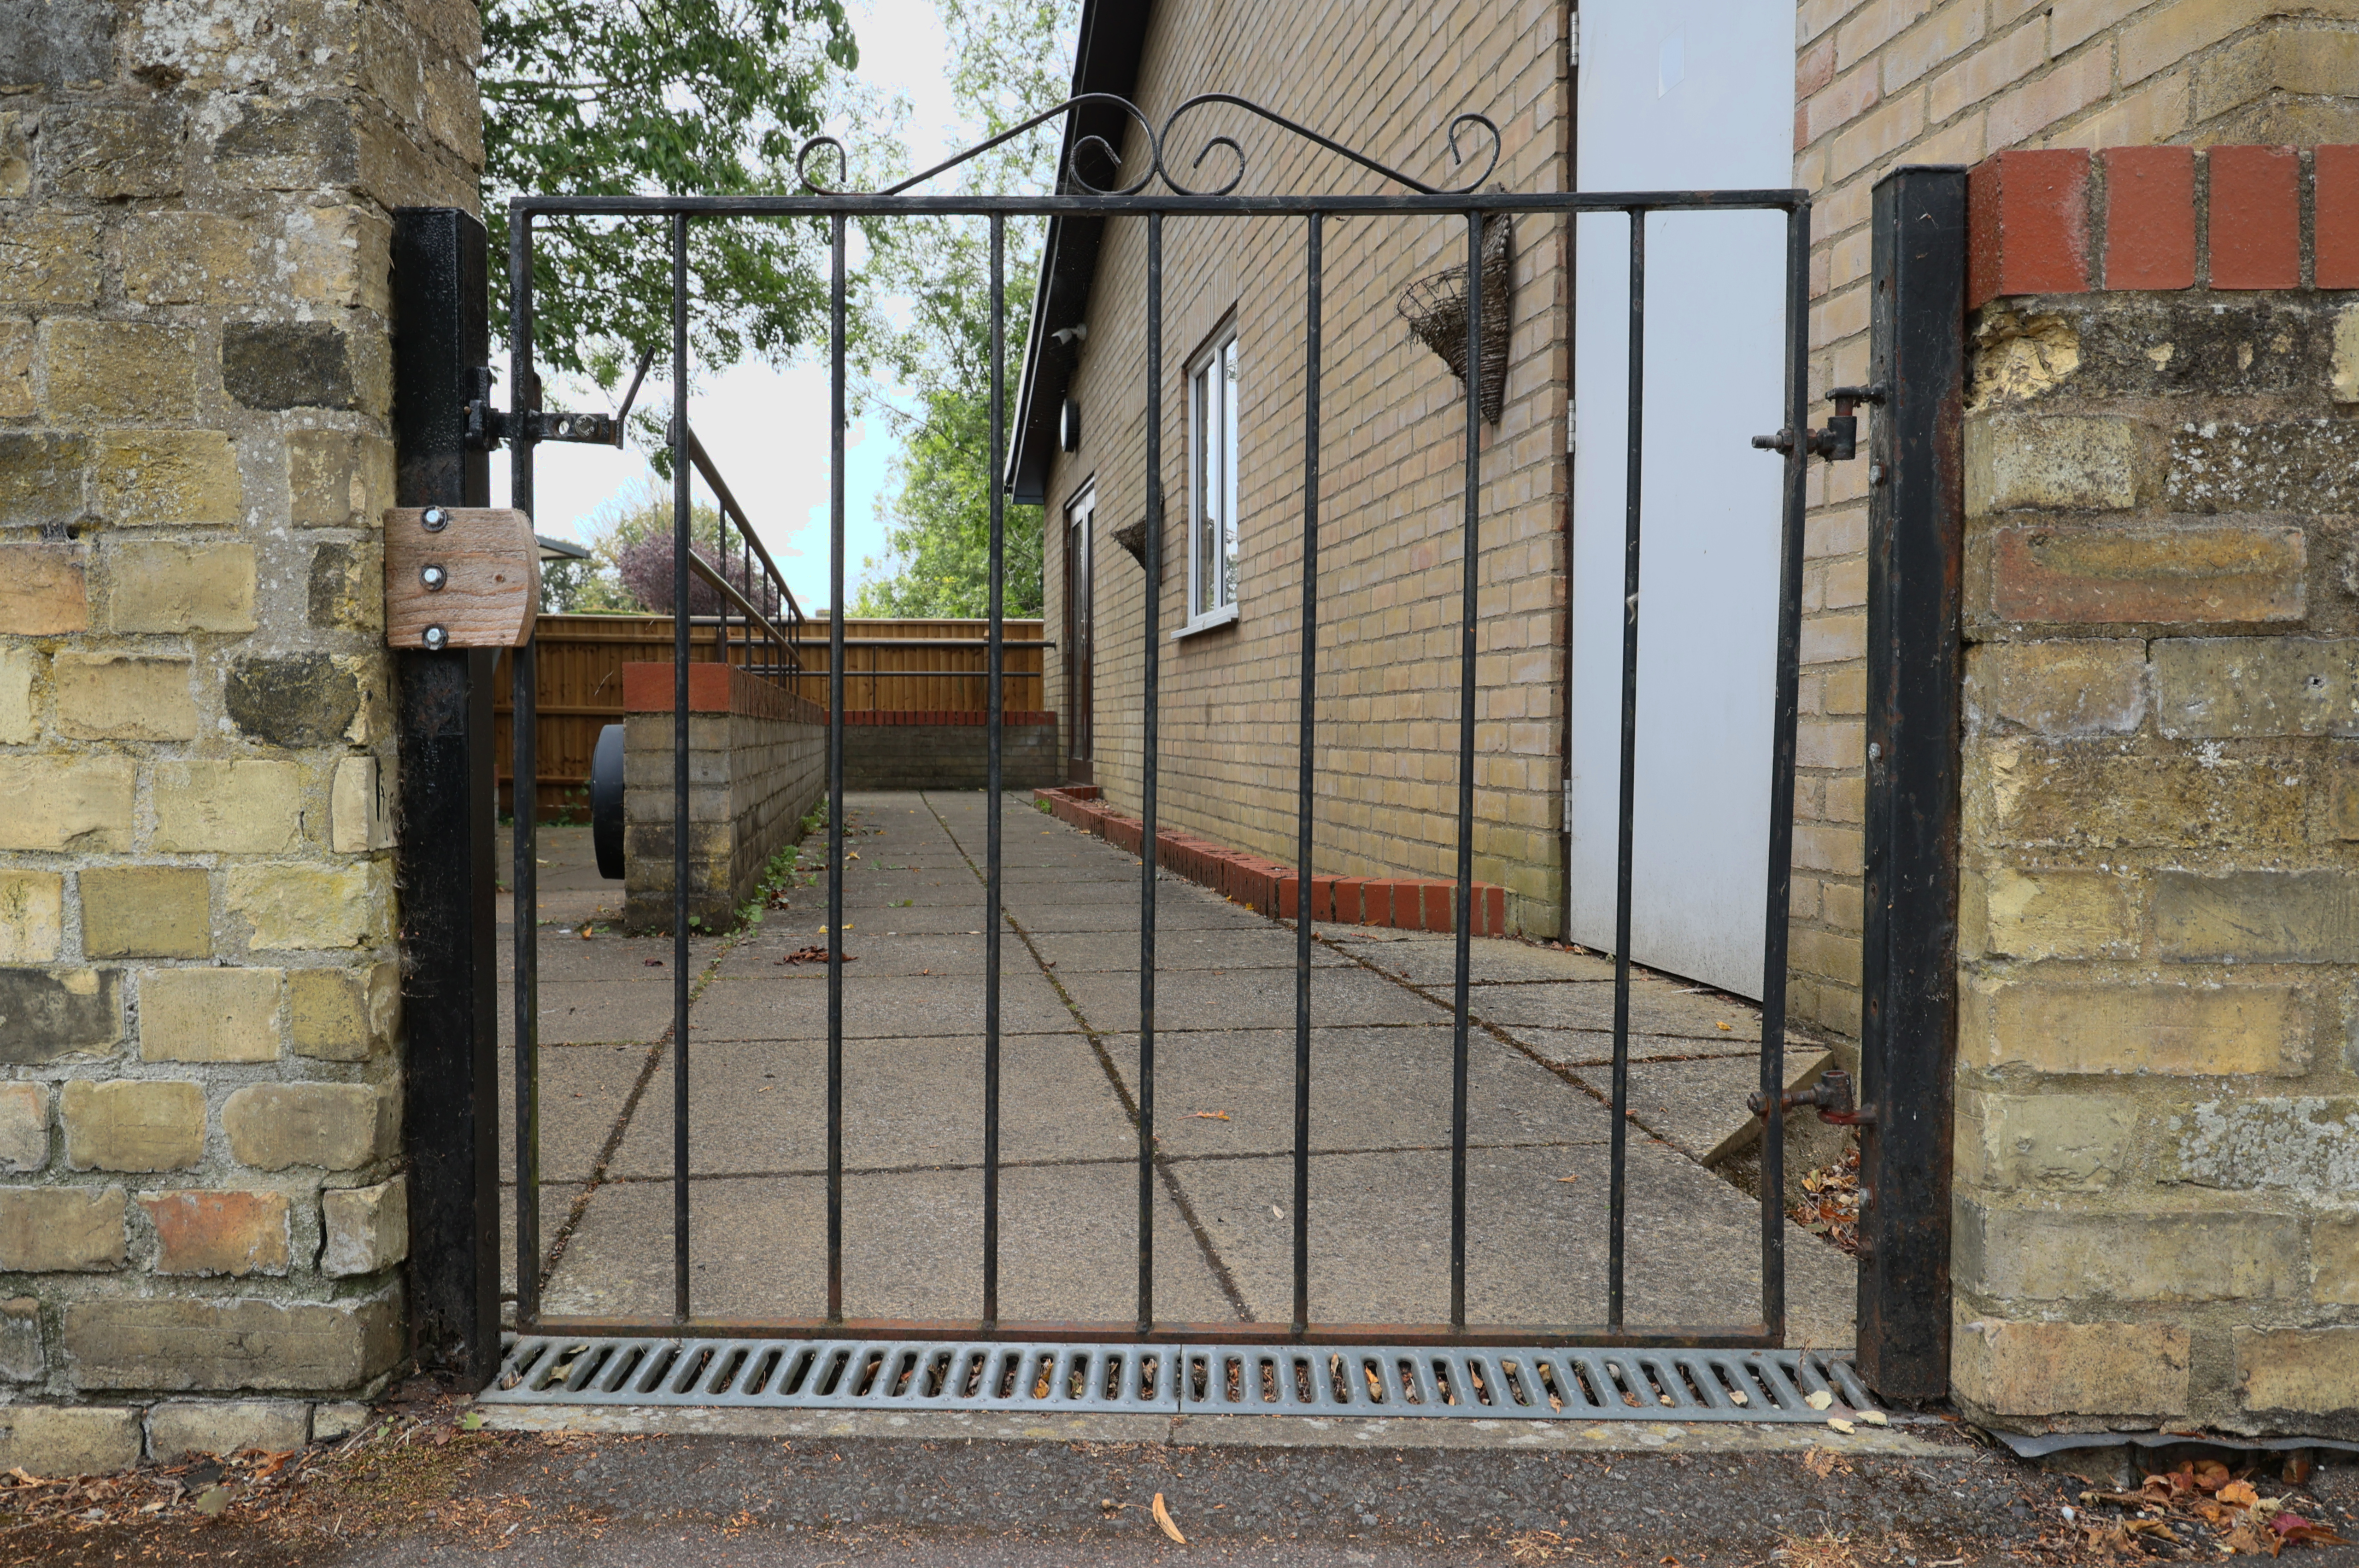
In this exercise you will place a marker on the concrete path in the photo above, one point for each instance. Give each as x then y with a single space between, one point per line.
913 1064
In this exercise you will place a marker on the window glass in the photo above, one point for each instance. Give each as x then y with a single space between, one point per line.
1213 481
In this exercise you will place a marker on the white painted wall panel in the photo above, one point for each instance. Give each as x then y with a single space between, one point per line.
1680 94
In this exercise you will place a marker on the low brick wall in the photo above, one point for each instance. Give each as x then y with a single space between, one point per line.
757 764
1407 903
936 749
2158 1182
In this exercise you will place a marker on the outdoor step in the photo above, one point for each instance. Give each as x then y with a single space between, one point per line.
1698 1106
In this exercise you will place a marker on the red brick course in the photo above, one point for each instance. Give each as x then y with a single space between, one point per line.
1273 889
2030 218
2027 225
2149 217
2256 218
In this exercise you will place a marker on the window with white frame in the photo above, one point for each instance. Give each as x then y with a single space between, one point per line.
1213 482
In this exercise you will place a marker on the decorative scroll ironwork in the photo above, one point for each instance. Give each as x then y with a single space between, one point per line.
1156 141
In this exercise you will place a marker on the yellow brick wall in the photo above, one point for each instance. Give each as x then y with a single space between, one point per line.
2156 1078
197 910
1884 82
1385 80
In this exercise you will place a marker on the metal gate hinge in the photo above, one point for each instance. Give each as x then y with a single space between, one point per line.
487 427
1839 442
1832 1096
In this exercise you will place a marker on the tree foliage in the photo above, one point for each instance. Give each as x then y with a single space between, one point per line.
635 97
1008 60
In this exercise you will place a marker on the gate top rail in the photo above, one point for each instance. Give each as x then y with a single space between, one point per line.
1767 198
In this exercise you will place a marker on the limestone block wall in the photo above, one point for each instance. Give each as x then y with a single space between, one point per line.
199 1084
2157 1140
1878 83
757 764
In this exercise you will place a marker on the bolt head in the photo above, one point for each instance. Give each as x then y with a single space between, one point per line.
433 577
436 520
437 638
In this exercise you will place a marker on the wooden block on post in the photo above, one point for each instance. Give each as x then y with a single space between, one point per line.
476 578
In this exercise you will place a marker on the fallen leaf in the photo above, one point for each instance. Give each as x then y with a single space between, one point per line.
2293 1527
471 1422
1163 1517
2239 1494
1719 1026
1209 1114
1876 1418
1568 1178
1840 1424
212 1500
1818 1462
2208 1474
1818 1400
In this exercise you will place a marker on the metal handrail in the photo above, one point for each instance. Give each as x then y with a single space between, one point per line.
728 591
732 511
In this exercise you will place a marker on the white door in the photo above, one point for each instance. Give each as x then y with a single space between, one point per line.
1680 94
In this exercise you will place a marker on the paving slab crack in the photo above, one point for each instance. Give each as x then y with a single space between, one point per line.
1169 1179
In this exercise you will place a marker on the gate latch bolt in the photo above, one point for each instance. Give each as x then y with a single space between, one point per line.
1832 1096
1839 442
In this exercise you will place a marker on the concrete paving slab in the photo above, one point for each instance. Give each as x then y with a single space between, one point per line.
1432 960
1369 1089
1221 948
564 957
1537 1245
1246 999
881 952
912 1248
1658 1006
582 1011
876 1005
556 1203
582 1091
1698 1108
759 1107
1594 1047
1179 907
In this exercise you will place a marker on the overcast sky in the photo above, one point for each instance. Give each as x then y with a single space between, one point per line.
766 430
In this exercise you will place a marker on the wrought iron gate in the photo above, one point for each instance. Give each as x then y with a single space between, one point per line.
555 1354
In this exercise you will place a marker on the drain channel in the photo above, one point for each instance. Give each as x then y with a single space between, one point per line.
1164 1380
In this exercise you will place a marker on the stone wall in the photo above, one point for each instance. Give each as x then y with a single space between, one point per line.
1884 82
198 1124
2158 1144
757 764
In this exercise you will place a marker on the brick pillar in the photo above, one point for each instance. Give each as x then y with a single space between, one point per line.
2158 1193
198 1125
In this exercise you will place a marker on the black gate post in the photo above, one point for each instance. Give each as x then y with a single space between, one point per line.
449 986
1908 1023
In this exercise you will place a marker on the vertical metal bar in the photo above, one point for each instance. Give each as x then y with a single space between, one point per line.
1307 764
1460 1000
1148 844
522 882
1778 895
994 715
1617 1202
835 778
680 629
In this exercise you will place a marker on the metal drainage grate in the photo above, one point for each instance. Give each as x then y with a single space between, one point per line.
1358 1381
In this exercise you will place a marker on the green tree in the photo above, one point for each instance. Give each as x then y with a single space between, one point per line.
635 97
596 586
1008 62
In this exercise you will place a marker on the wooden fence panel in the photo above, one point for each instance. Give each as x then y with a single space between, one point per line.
938 665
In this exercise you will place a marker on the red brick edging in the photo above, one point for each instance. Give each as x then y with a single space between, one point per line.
1407 903
2066 220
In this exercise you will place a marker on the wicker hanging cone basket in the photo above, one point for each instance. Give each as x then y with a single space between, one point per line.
1435 310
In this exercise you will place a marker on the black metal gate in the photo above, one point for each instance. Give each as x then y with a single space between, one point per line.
1158 193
